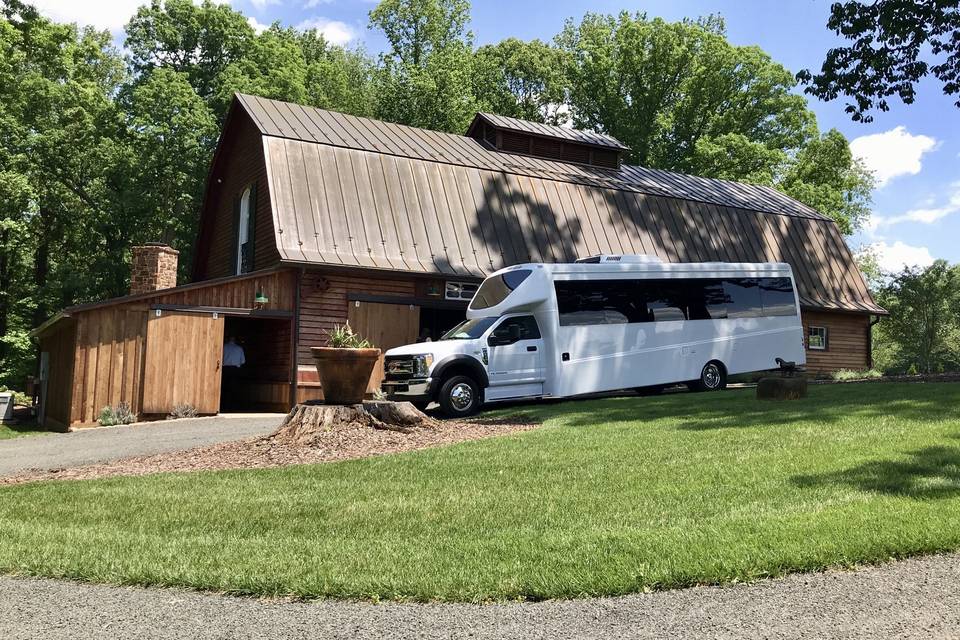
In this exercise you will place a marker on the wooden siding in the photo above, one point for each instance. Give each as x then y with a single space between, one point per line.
323 304
183 362
110 339
59 345
238 164
848 341
108 367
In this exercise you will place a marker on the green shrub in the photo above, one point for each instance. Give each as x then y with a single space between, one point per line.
182 411
121 414
343 337
844 375
19 397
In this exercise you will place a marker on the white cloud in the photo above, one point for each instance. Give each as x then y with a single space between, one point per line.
112 15
894 257
260 5
892 153
256 25
926 214
313 4
334 31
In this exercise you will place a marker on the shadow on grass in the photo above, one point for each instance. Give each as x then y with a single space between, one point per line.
741 409
930 473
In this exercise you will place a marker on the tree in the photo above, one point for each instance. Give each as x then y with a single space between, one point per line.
924 321
200 41
684 99
522 79
825 175
889 41
300 66
681 96
59 125
170 136
424 80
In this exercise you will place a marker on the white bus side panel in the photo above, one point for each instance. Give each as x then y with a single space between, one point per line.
621 356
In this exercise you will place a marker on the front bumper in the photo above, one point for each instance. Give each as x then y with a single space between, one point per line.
413 390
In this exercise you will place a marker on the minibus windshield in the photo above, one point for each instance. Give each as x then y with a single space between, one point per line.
469 329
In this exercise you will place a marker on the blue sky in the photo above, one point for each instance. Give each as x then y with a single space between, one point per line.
915 149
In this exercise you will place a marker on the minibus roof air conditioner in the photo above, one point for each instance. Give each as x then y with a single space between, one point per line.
622 259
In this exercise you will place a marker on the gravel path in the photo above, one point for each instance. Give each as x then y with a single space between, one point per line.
89 446
917 598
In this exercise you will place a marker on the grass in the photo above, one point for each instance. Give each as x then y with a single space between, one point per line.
8 431
611 496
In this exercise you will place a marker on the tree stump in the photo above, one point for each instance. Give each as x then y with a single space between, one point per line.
782 388
305 421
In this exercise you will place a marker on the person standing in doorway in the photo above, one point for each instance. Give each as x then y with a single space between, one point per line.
233 359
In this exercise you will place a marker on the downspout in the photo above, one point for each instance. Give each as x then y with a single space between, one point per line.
870 341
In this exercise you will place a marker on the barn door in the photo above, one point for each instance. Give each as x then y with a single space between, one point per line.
386 326
182 363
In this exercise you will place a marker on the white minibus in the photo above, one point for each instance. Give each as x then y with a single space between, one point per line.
601 324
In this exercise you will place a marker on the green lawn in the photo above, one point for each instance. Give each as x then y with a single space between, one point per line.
610 496
16 430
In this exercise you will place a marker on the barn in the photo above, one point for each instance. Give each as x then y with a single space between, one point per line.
313 218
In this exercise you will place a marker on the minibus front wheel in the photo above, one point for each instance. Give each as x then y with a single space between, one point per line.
459 396
713 377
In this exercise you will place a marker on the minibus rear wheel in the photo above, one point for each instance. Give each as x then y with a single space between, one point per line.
459 396
713 377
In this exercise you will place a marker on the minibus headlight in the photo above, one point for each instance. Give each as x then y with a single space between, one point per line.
422 364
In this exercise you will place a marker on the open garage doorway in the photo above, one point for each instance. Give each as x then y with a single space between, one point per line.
434 322
256 365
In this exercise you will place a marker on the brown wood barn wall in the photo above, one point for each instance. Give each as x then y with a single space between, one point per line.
323 305
108 361
60 344
239 164
848 341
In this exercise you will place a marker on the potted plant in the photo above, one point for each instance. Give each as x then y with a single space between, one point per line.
344 365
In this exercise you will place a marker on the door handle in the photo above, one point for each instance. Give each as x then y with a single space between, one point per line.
531 348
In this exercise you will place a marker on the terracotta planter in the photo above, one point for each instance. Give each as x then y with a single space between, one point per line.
344 373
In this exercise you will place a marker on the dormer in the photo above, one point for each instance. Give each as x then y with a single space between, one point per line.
512 135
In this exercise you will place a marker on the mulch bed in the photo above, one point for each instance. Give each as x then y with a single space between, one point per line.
345 442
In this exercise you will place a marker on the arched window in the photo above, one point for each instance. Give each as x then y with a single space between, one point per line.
244 239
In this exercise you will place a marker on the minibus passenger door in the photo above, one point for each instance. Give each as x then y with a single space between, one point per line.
515 351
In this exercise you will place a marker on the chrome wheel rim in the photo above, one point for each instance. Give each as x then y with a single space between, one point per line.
711 376
461 396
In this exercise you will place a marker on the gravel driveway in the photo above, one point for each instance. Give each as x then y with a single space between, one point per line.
917 598
87 446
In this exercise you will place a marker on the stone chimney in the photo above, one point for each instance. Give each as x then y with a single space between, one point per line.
153 267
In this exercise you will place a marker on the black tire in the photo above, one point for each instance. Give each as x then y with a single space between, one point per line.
713 377
459 397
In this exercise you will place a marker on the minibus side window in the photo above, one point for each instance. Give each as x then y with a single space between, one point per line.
777 297
743 297
707 300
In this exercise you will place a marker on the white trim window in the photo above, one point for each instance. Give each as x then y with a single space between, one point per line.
460 290
817 338
243 230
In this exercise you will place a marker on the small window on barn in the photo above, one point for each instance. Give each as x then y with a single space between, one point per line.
246 219
461 290
817 338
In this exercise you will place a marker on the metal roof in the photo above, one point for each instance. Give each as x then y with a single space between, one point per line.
356 192
297 122
550 131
